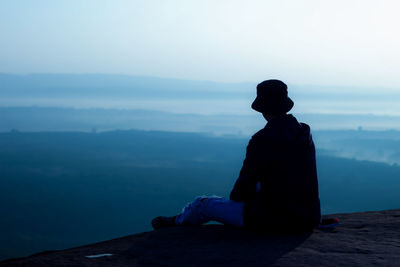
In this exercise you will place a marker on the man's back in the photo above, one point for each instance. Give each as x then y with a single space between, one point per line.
281 157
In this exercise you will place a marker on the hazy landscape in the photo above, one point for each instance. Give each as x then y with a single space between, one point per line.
65 189
86 158
114 112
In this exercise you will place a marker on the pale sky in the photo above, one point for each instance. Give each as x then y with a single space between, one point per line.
341 42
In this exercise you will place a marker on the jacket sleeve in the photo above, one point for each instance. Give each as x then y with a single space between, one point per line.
245 185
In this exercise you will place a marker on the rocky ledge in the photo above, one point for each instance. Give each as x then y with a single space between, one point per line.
362 239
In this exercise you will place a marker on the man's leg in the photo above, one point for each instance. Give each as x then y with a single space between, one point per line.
204 209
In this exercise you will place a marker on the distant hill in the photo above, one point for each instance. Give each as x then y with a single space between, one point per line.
115 86
184 96
62 189
106 119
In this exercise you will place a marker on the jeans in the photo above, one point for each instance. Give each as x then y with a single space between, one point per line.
204 209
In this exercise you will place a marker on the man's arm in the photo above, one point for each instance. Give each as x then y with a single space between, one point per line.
245 185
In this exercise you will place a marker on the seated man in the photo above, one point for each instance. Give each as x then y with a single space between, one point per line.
277 186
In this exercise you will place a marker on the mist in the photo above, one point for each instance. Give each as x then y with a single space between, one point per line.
376 110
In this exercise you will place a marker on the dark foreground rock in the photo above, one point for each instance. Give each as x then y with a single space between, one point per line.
362 239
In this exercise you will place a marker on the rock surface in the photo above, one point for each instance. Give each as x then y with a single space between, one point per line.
362 239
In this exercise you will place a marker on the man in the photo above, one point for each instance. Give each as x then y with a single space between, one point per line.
277 187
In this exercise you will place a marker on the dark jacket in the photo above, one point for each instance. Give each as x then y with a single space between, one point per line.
282 158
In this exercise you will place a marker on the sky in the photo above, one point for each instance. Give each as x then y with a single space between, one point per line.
334 43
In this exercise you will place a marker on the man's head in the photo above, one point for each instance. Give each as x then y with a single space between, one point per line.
272 98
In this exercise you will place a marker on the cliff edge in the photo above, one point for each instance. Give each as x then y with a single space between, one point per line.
362 239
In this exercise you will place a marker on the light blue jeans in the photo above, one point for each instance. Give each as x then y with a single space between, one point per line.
204 209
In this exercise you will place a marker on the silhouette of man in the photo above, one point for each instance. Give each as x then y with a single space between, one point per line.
277 186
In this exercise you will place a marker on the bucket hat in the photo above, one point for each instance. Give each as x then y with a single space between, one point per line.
272 98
